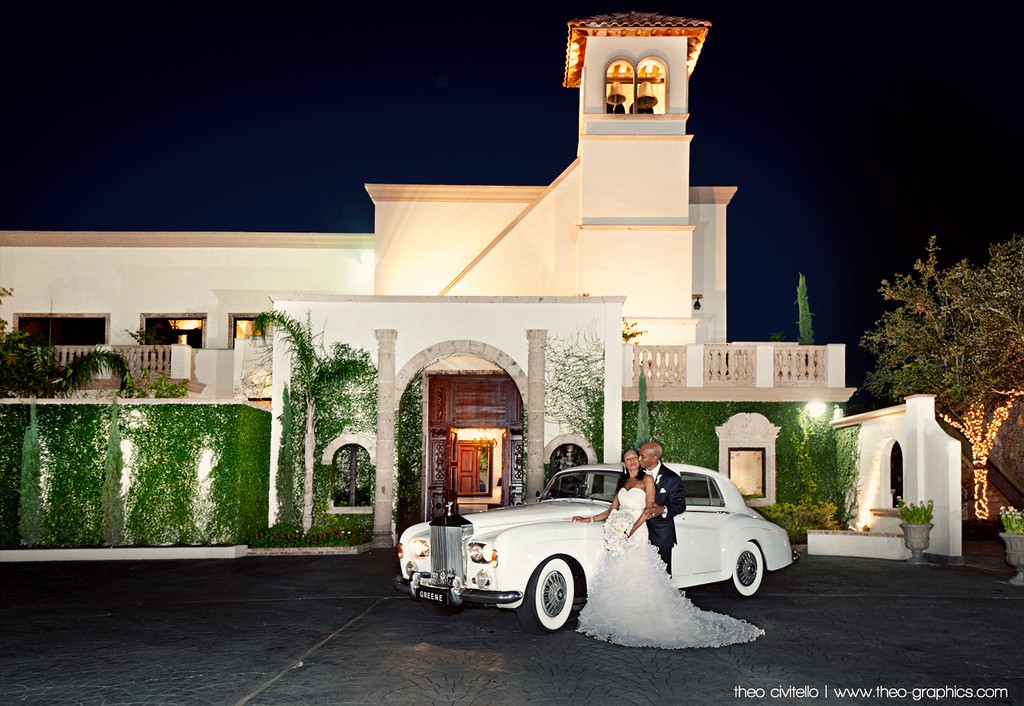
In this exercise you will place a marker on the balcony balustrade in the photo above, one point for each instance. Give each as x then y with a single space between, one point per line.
704 368
176 362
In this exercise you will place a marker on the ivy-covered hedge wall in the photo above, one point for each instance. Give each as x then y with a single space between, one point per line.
813 462
194 473
342 406
409 447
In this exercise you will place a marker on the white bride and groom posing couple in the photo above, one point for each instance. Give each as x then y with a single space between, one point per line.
631 600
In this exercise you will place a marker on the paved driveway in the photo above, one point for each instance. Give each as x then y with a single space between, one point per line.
330 630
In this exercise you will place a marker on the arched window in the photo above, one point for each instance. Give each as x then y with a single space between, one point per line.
619 92
896 474
567 456
353 477
636 90
651 81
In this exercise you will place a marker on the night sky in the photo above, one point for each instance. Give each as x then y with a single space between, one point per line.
853 131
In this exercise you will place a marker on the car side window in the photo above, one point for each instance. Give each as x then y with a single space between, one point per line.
569 485
715 494
701 491
603 487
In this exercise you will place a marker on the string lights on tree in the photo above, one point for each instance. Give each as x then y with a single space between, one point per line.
956 332
981 433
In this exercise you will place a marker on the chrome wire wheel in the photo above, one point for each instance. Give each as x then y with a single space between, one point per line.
747 573
746 568
547 601
554 593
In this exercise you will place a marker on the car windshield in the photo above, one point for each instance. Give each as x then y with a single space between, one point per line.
593 485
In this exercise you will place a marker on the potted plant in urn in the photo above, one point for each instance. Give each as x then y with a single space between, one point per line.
1013 537
916 521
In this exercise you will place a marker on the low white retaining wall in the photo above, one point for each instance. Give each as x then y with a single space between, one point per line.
868 545
123 553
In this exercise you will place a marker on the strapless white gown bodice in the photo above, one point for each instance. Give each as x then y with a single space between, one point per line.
631 600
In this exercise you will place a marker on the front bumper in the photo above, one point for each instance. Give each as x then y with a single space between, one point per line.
453 595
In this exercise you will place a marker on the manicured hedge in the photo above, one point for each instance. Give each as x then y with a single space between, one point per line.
814 463
196 473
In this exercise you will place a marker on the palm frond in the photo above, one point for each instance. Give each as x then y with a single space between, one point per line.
85 367
302 343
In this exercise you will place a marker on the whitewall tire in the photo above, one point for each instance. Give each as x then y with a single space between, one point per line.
747 572
547 604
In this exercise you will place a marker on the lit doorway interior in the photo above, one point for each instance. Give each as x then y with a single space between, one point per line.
479 467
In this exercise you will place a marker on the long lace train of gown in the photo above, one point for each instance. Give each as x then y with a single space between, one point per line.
631 600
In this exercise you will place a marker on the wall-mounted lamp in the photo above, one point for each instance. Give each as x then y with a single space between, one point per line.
696 301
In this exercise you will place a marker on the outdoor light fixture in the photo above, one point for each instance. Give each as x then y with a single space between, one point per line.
696 301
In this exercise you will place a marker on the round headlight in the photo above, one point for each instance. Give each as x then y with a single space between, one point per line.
420 548
476 553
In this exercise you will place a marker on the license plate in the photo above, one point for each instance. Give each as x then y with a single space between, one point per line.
433 595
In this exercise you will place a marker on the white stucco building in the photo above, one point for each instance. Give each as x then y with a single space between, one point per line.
464 282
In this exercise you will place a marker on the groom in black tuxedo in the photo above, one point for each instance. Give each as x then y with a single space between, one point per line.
669 501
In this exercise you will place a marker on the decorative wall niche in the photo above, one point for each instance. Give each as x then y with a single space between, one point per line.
745 442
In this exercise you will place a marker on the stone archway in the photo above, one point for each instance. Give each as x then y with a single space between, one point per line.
365 440
576 439
437 442
445 349
392 381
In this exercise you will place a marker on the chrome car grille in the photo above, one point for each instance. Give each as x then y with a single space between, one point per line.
447 551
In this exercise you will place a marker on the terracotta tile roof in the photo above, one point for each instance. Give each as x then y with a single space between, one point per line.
630 24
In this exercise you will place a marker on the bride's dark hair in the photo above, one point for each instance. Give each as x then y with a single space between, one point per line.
624 476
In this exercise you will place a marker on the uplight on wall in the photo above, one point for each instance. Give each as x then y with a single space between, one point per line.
816 409
696 301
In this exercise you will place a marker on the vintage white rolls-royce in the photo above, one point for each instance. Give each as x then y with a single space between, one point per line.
536 560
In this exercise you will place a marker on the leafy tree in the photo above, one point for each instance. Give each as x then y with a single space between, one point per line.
957 333
630 331
574 383
31 368
4 292
113 467
314 371
804 311
30 505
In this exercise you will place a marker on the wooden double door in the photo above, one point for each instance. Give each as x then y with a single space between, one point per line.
456 467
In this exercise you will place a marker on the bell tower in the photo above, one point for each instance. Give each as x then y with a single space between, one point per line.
633 71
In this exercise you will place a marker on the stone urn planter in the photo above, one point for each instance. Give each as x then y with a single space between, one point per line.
915 537
1015 555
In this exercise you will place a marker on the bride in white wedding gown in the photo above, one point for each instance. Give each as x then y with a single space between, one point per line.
631 600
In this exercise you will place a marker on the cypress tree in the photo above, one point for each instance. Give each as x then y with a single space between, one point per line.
643 418
285 483
804 308
113 466
30 505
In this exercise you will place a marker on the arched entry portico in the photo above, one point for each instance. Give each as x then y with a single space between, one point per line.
529 391
477 402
